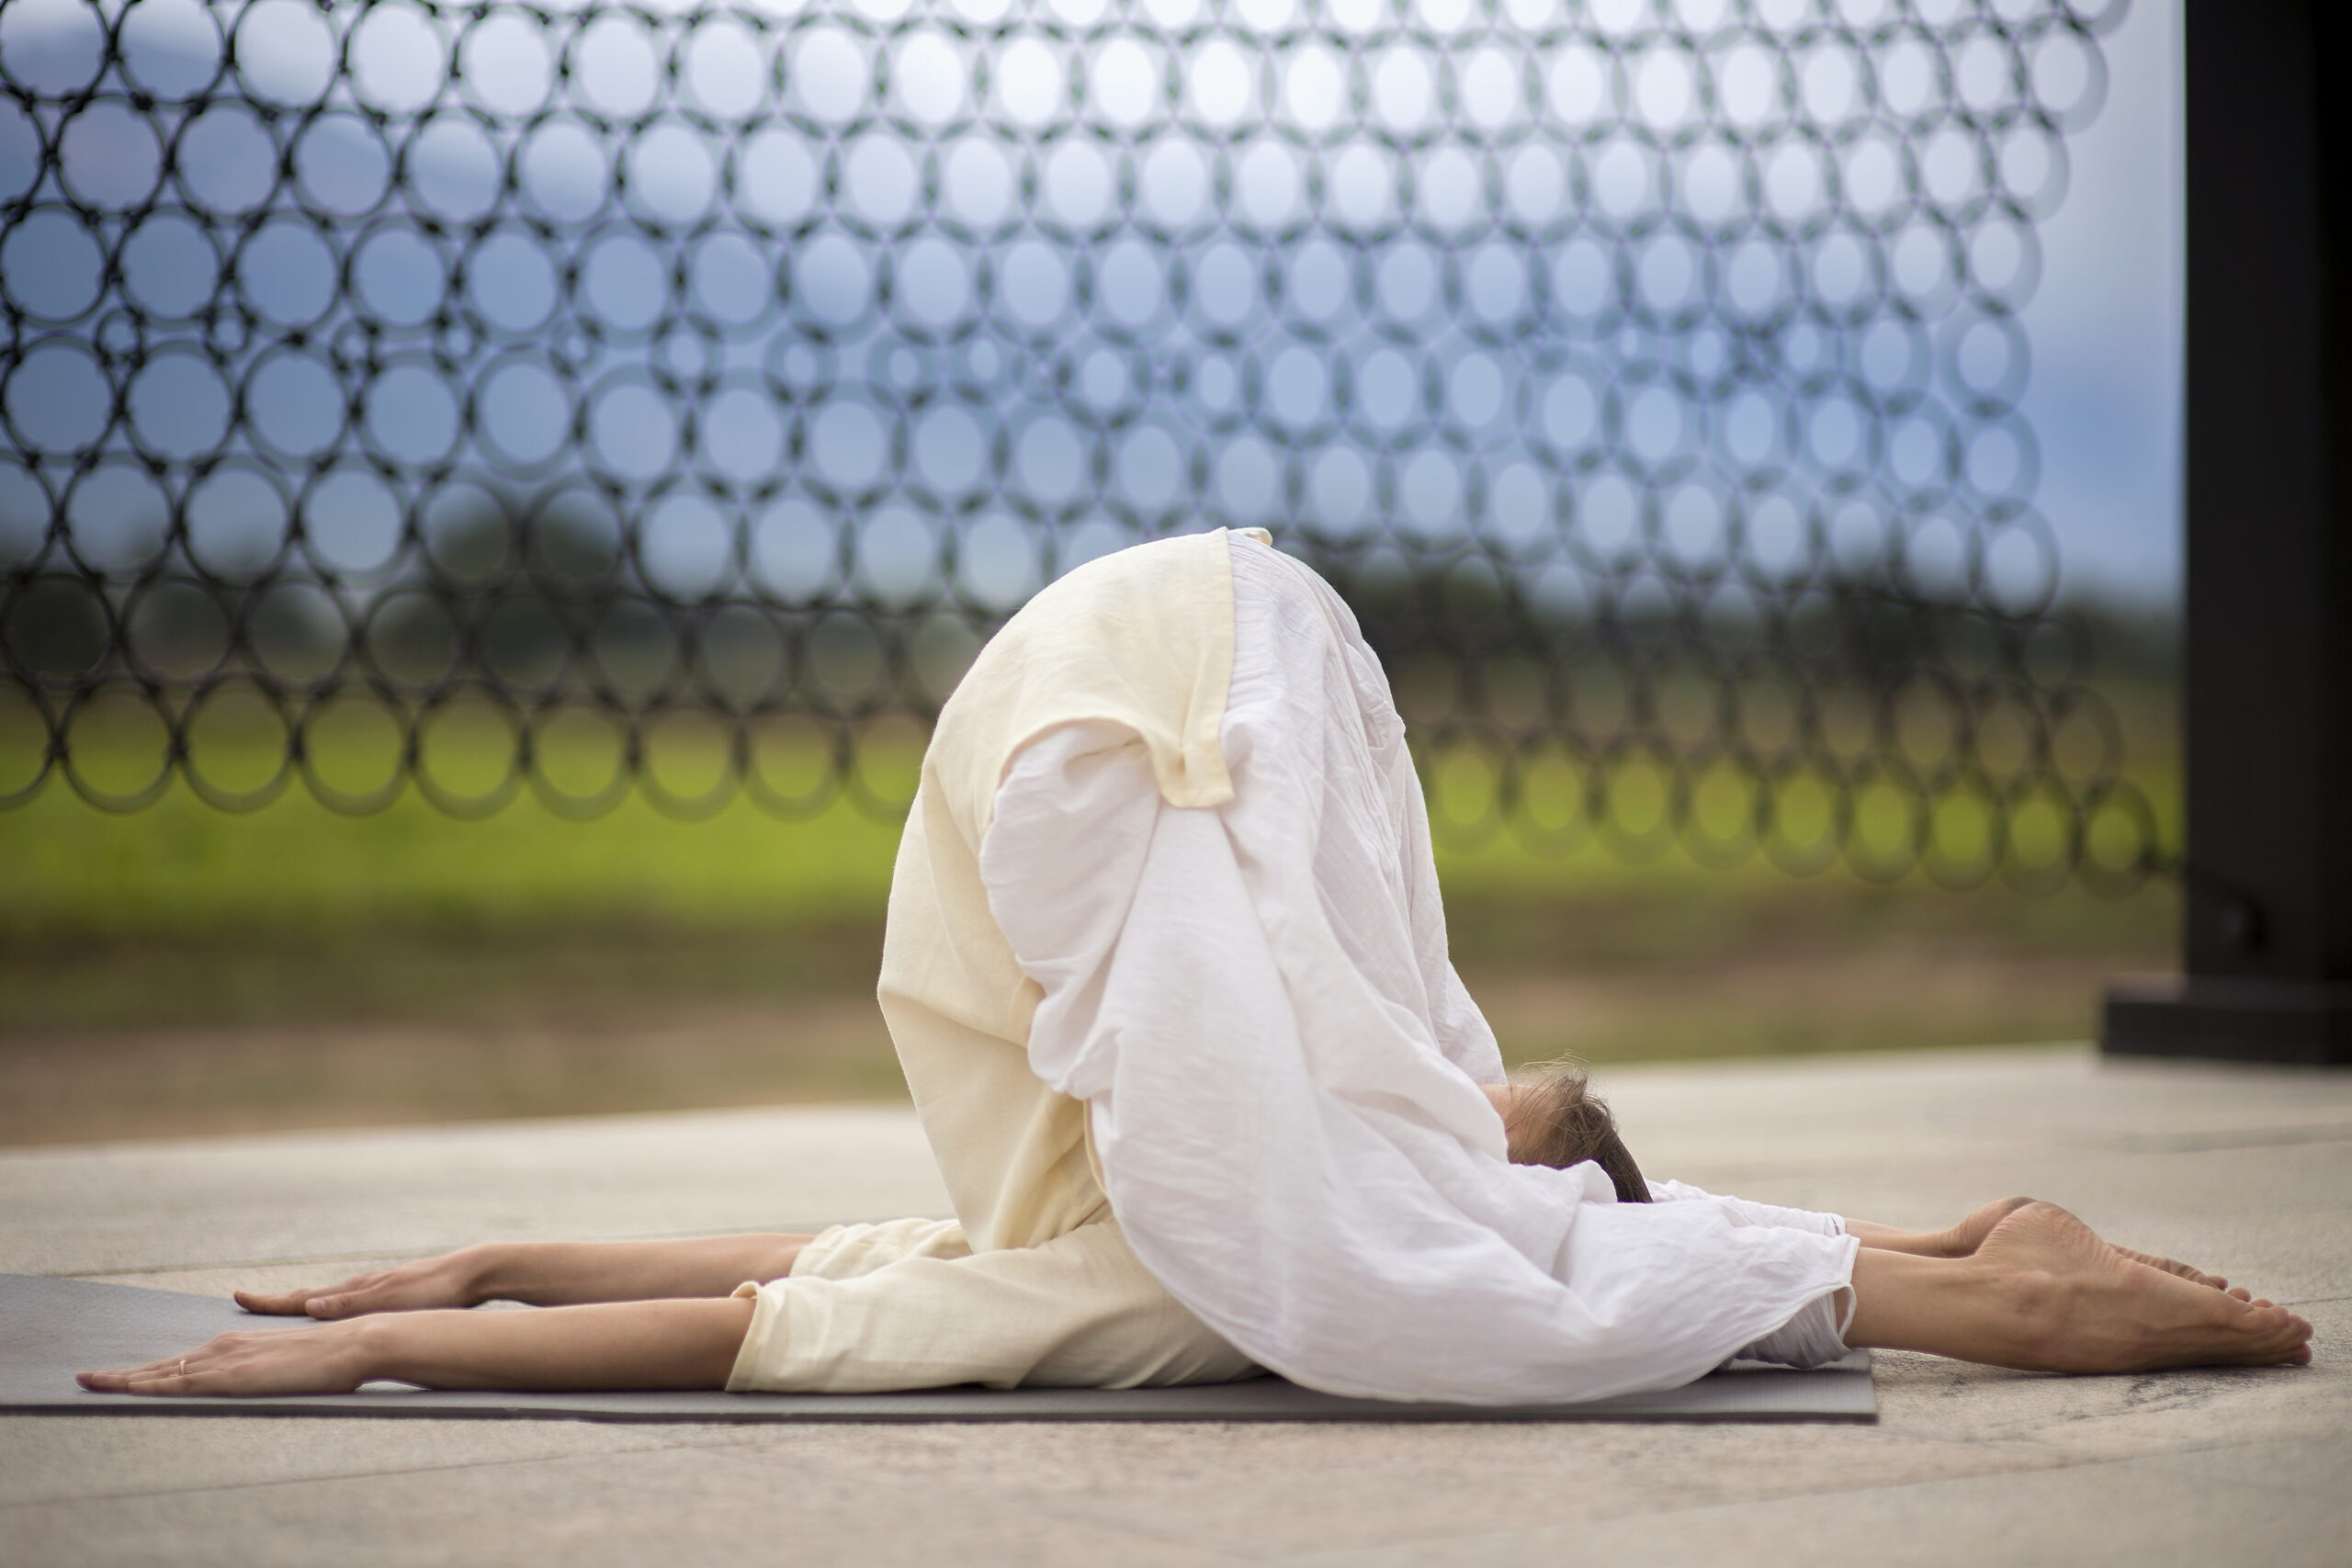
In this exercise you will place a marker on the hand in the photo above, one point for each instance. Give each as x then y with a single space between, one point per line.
453 1280
326 1358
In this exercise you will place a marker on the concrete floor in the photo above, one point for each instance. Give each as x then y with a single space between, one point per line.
2246 1171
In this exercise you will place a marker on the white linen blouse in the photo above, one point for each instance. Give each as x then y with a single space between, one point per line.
1282 1067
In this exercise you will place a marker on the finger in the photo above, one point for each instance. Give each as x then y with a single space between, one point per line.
2242 1294
203 1355
166 1377
278 1303
115 1383
168 1364
368 1292
349 1300
118 1382
161 1385
292 1303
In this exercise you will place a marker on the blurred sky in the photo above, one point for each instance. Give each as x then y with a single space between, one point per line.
2105 325
2106 329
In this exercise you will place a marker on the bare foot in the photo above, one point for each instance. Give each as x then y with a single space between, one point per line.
2085 1306
2172 1266
1964 1238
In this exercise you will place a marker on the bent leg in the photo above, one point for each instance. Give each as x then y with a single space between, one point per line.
2043 1292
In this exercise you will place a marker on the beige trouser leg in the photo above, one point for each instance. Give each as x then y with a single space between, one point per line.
906 1305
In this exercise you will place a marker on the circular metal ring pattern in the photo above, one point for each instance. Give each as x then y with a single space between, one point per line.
487 399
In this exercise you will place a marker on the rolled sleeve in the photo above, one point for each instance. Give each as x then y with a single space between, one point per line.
1748 1211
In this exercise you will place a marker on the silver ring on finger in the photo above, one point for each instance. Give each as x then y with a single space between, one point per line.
183 1366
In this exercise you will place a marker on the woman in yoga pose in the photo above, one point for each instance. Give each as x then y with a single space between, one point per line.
1165 970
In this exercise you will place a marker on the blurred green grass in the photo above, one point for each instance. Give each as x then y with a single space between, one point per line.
184 968
182 867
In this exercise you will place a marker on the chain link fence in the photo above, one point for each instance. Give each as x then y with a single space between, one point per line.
560 399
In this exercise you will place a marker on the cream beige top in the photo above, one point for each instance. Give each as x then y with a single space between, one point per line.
1035 1281
1145 644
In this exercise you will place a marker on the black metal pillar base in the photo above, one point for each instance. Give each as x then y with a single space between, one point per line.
2267 678
2240 1021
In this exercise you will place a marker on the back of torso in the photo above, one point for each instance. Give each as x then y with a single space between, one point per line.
1142 639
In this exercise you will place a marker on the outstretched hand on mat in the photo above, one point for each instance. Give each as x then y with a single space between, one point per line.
545 1273
619 1345
453 1280
322 1359
622 1315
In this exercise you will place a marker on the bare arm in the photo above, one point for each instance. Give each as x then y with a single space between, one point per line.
628 1345
553 1273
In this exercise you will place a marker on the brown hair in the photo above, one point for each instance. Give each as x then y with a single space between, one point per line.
1557 1120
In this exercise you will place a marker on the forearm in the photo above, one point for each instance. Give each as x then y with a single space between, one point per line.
568 1273
627 1345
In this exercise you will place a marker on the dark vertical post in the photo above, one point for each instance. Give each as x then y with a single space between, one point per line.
2267 948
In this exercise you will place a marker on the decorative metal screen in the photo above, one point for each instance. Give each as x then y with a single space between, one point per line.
559 399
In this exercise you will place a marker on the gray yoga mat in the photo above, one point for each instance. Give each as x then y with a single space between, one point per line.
52 1328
